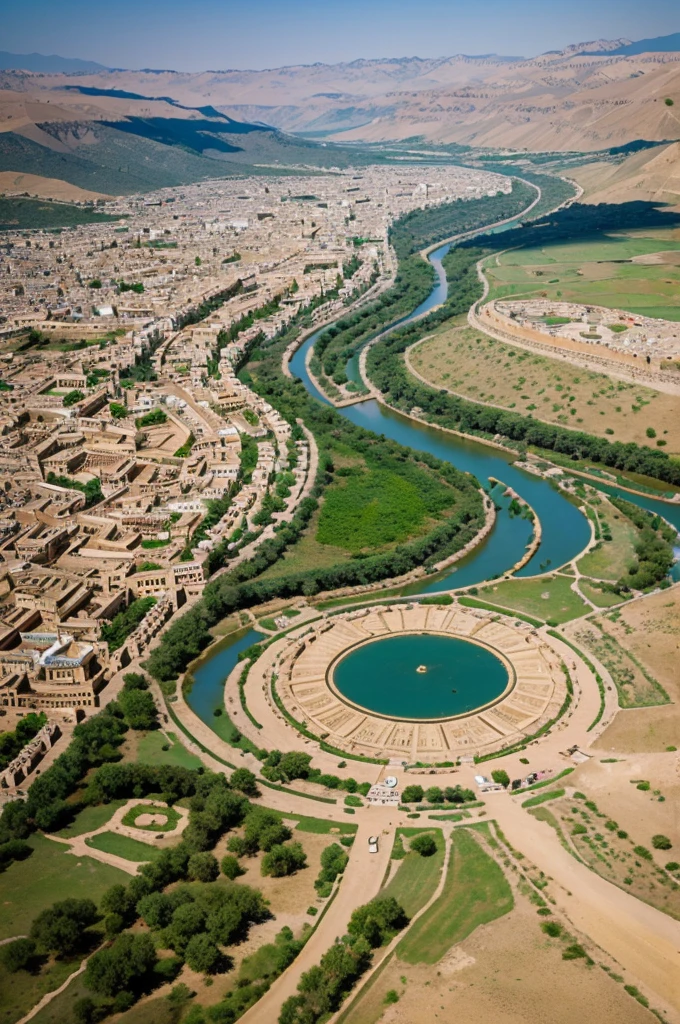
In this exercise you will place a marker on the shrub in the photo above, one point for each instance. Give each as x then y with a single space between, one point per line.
574 952
203 867
202 955
673 865
642 852
391 997
660 842
552 928
17 955
425 845
500 776
353 801
284 859
245 781
412 794
231 867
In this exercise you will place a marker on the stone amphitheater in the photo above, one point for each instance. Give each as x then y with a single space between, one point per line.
534 696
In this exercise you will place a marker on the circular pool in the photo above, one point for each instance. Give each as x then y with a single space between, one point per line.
420 676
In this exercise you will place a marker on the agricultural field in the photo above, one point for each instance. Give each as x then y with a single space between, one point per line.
549 598
479 368
637 271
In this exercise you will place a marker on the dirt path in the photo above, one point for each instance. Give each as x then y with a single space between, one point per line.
360 883
642 939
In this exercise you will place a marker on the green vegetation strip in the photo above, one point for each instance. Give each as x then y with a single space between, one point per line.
475 892
417 877
543 798
472 602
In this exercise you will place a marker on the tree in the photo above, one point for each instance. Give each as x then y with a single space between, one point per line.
295 765
378 920
434 795
203 867
59 929
412 794
72 398
263 829
118 411
139 709
245 781
500 776
202 955
284 859
424 845
85 1011
231 867
660 842
17 955
123 966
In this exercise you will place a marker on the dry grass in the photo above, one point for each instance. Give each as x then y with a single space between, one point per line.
480 368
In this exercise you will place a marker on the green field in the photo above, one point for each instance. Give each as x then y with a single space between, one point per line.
611 559
150 751
122 846
321 826
547 598
50 874
372 509
417 877
475 892
584 272
90 819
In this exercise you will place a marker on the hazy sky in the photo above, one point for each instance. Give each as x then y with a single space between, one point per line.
217 34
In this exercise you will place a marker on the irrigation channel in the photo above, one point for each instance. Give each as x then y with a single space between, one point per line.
566 531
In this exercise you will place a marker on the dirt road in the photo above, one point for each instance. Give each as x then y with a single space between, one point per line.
644 940
361 882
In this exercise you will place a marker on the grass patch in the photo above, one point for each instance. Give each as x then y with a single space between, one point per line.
50 874
90 819
122 846
543 798
150 751
172 818
20 991
549 599
611 559
417 877
322 827
475 892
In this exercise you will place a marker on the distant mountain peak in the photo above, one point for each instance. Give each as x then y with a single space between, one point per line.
47 64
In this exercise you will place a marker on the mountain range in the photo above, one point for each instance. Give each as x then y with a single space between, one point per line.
113 131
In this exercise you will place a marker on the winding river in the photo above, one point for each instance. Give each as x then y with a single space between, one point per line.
566 531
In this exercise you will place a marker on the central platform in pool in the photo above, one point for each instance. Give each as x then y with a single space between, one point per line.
420 676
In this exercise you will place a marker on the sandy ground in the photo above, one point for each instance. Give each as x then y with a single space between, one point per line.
482 979
48 188
650 630
525 382
640 813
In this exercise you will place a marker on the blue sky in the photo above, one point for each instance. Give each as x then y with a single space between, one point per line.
219 34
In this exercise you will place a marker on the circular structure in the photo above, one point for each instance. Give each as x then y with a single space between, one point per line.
350 682
459 676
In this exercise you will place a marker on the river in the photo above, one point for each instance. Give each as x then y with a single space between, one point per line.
566 531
